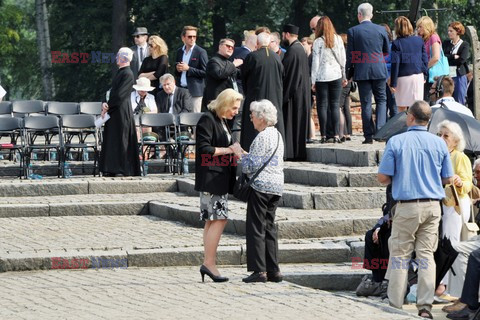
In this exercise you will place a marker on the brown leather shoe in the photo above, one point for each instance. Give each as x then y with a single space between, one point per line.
457 306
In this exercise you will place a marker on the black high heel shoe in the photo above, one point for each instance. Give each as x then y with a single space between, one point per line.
204 271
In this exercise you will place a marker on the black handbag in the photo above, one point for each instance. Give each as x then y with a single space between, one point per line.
242 187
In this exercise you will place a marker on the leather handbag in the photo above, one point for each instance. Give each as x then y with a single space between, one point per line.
441 68
470 228
242 188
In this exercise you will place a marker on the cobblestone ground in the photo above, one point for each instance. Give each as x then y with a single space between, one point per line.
43 234
169 293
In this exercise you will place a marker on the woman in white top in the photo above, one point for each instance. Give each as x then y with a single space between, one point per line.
328 76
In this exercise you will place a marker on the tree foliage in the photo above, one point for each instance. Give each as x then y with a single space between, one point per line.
86 26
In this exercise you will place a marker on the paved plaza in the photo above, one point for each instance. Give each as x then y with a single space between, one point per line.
170 293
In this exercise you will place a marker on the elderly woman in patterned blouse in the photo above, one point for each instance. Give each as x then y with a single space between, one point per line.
262 244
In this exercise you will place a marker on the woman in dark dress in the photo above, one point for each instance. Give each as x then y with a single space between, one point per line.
119 156
215 173
156 64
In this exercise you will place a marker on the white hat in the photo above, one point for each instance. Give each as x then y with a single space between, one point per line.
143 84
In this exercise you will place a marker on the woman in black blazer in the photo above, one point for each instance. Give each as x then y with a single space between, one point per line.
457 52
215 173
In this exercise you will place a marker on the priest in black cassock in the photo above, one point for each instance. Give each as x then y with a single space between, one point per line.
262 79
119 156
296 96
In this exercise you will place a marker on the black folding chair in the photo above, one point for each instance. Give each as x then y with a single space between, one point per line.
168 123
94 108
76 132
12 127
186 128
5 109
28 108
48 127
62 108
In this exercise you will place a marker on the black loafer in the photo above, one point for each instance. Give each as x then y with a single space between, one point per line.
274 276
255 277
368 141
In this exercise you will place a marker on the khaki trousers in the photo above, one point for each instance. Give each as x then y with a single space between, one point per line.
414 227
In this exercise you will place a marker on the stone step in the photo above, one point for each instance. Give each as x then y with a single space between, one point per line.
144 241
86 185
323 175
321 198
353 153
80 204
291 223
49 168
331 276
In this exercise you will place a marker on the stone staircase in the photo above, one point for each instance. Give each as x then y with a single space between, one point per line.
328 204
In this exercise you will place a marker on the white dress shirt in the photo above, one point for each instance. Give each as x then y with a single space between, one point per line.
149 101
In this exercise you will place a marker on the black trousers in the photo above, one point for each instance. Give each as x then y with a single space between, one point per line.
261 232
328 98
472 281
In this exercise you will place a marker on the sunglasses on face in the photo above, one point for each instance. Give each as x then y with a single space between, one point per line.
191 37
228 46
139 35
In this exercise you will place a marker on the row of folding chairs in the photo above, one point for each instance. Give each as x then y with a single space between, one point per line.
32 136
176 137
38 107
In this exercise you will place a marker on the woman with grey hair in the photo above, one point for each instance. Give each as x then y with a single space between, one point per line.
267 188
462 180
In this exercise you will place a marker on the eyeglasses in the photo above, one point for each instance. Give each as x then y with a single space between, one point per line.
228 46
191 37
139 35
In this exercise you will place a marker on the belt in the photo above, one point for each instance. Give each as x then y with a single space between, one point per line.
417 200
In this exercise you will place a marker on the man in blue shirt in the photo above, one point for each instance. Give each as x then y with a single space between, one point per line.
417 163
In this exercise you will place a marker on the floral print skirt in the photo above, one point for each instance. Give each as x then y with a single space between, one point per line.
213 207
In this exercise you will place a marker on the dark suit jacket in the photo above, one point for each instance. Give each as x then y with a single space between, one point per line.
134 62
240 53
217 179
220 75
196 73
367 45
182 101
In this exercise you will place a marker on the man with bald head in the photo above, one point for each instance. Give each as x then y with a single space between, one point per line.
417 164
313 25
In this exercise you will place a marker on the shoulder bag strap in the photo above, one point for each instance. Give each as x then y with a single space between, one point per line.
265 164
342 67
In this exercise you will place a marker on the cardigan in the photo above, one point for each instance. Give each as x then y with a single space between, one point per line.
463 52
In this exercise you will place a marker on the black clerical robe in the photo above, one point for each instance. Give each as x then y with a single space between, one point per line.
296 101
120 147
262 79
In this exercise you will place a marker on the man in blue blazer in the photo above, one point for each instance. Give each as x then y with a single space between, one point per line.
191 62
367 45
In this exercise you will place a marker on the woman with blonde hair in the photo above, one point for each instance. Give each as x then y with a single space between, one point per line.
433 44
215 170
409 64
156 64
452 220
